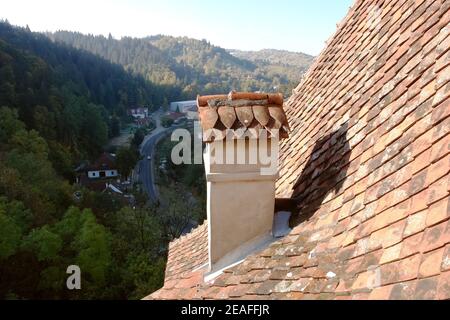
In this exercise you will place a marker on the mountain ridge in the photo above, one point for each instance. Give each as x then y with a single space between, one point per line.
196 66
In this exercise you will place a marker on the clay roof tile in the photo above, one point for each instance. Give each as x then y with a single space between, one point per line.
234 115
366 165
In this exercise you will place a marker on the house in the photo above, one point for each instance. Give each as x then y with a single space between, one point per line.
363 173
142 122
95 176
103 167
176 117
188 108
182 106
139 113
103 176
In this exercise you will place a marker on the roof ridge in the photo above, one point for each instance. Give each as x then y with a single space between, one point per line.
316 60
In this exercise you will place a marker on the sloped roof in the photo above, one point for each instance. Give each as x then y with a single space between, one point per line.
368 164
104 162
242 114
187 253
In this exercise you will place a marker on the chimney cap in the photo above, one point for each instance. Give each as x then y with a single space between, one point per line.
242 114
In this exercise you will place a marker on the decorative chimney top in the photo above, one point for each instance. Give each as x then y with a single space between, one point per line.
240 114
242 132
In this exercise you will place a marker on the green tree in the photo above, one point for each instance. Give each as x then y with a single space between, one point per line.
176 210
10 236
139 227
115 126
166 121
44 243
93 246
126 159
144 274
9 124
138 137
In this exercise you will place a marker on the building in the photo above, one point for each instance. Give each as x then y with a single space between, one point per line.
103 167
364 173
96 175
175 116
139 113
182 106
188 108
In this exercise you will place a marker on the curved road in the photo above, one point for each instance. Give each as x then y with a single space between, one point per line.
146 167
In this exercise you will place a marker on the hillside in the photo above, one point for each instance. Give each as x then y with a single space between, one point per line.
275 57
287 65
194 66
59 105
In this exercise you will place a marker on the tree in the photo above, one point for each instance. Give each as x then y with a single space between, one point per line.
94 132
93 246
7 85
9 124
176 211
144 274
139 227
91 243
44 243
10 236
115 126
126 159
166 121
138 137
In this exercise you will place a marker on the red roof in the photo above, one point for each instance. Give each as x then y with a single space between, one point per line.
175 115
104 162
367 163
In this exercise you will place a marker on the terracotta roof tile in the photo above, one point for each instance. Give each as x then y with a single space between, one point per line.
367 162
241 113
187 253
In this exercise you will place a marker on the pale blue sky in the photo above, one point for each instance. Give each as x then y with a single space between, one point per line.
295 25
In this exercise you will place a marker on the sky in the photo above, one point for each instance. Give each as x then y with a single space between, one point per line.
294 25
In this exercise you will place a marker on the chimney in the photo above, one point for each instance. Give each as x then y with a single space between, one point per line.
241 132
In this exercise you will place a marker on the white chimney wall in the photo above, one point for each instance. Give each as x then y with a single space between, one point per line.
241 200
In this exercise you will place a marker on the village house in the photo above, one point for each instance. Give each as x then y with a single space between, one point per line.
182 106
103 167
97 174
175 117
359 205
139 113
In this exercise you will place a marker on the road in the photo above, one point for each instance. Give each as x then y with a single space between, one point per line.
146 168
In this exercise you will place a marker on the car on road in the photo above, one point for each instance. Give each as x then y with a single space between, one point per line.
149 157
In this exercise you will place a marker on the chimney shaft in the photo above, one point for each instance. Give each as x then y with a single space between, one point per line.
240 160
240 203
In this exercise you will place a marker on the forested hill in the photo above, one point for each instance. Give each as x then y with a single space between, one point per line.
69 96
275 57
58 105
273 63
195 66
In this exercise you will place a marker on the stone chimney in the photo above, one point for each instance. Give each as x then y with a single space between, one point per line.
242 132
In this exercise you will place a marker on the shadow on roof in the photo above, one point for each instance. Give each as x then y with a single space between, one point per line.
325 172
